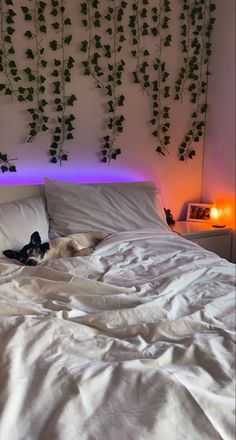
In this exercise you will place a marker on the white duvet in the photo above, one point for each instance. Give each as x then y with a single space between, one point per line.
134 342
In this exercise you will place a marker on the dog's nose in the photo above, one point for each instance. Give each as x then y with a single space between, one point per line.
31 262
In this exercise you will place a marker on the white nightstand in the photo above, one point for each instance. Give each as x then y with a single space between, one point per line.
216 240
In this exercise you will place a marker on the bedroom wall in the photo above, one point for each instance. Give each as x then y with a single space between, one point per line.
219 156
179 181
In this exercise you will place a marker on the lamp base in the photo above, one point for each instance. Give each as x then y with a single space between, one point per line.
217 226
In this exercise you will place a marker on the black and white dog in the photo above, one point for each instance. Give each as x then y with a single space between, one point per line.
71 246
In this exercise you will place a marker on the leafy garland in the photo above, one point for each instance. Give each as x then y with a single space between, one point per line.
139 29
160 89
108 76
62 74
193 75
36 90
104 63
152 75
7 63
90 22
7 66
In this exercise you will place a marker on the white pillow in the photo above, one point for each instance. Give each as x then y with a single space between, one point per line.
110 207
18 220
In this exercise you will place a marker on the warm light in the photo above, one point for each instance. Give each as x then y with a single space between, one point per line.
219 214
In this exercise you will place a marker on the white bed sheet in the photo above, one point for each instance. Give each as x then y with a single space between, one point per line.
134 342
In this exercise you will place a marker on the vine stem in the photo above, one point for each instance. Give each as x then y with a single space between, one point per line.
138 37
159 70
113 84
201 63
187 56
138 46
94 76
37 43
159 80
37 47
62 82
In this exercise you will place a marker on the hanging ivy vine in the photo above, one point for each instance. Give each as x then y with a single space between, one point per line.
140 29
103 49
35 18
196 29
151 75
62 75
160 89
8 66
105 42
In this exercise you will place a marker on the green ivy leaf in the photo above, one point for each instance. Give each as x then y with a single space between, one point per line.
56 25
53 44
84 8
67 21
4 168
29 54
68 39
43 29
54 12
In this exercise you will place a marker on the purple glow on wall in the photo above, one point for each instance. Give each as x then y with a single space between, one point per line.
86 175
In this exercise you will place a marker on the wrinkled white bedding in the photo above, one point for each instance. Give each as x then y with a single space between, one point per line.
134 342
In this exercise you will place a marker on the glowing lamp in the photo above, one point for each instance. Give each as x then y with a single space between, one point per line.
219 214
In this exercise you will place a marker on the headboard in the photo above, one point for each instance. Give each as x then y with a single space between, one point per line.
10 193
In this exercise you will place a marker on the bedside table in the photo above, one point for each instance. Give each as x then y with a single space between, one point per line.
217 240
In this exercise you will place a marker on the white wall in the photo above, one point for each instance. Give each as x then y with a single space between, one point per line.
219 155
180 182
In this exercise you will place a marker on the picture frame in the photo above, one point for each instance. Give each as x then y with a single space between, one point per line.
199 212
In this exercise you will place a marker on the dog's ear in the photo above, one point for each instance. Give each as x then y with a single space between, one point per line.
35 238
11 254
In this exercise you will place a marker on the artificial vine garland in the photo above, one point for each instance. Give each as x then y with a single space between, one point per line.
139 29
160 89
152 75
7 62
62 75
8 66
196 30
104 63
107 76
35 91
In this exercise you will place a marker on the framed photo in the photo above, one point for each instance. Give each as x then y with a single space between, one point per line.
198 212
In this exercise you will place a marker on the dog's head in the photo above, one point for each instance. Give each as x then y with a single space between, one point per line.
31 254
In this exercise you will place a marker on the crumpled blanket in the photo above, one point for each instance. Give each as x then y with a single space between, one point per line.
133 342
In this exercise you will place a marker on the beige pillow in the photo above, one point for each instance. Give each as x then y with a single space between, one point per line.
110 207
19 219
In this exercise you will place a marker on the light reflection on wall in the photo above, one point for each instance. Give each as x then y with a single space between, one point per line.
87 175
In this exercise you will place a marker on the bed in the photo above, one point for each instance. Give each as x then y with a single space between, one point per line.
133 342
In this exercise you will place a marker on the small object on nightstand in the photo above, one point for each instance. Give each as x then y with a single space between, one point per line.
169 217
